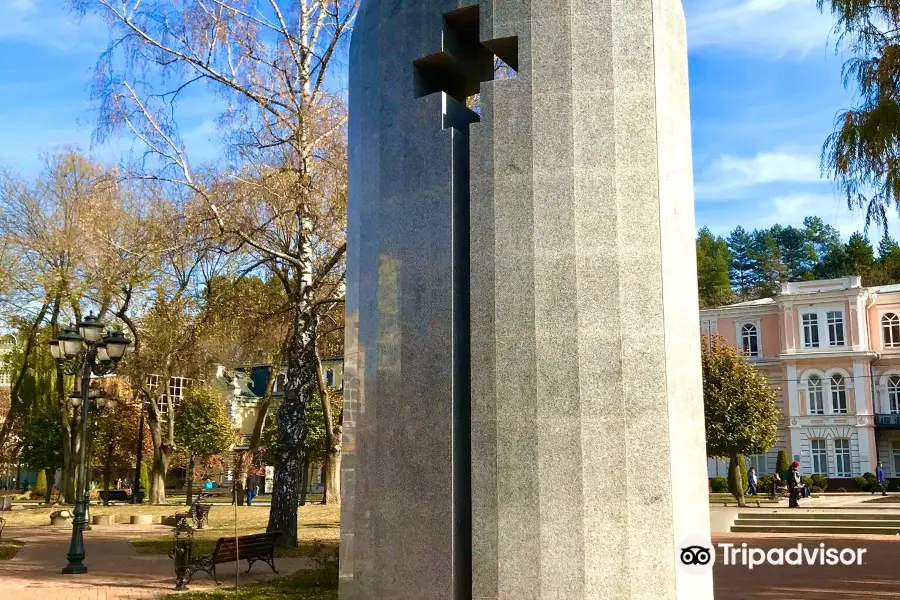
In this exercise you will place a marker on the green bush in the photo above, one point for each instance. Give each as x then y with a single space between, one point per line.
145 479
860 482
819 481
871 487
807 481
718 485
40 486
842 490
783 463
870 477
816 489
764 484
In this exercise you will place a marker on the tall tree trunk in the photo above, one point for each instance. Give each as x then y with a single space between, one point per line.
333 437
240 476
304 482
735 480
298 392
332 477
107 475
190 481
161 458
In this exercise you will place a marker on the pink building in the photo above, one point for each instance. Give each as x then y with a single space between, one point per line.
832 349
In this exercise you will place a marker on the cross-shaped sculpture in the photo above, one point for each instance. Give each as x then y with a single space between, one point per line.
457 71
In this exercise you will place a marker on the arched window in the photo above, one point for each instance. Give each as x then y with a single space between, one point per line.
750 339
815 395
893 390
838 394
890 330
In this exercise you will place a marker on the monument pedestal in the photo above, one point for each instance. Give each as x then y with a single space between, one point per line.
523 400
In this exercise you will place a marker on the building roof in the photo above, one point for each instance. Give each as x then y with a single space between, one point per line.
887 289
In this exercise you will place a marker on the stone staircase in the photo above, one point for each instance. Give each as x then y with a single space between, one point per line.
817 522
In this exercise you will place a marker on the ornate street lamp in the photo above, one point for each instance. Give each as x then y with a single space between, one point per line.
85 351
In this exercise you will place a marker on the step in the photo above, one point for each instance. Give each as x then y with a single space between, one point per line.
846 529
794 515
816 523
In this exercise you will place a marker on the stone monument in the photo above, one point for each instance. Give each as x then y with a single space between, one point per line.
523 400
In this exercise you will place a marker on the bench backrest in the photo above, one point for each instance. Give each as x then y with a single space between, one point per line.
247 546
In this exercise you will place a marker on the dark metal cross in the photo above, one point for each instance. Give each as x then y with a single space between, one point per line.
457 71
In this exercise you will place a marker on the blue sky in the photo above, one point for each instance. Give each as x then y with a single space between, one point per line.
765 88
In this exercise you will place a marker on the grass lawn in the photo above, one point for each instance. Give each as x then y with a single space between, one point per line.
303 585
316 523
723 498
890 499
9 549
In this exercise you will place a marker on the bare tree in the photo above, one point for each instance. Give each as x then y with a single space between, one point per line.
271 62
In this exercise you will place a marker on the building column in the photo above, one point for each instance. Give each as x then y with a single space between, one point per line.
859 390
867 450
794 449
793 393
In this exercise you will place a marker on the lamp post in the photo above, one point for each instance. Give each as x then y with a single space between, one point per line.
85 351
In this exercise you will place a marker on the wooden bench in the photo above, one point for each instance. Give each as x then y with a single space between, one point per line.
252 548
115 496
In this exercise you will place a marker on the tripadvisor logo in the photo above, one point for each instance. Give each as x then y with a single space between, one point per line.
697 556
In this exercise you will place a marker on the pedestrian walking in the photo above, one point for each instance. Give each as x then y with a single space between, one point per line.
752 480
251 486
882 483
793 481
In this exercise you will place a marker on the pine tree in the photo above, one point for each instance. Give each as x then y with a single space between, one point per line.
889 260
798 253
765 259
740 245
713 280
860 257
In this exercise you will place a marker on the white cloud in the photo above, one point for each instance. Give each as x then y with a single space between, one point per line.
730 176
771 28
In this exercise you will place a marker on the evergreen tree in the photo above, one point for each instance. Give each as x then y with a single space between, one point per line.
889 260
766 268
713 263
740 245
831 257
798 253
860 257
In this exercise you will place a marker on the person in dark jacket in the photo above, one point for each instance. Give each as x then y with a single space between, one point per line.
752 480
252 485
882 483
793 481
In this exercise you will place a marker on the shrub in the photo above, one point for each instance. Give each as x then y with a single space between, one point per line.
816 489
783 463
764 484
844 490
718 485
860 482
870 477
871 487
819 481
807 481
145 479
40 486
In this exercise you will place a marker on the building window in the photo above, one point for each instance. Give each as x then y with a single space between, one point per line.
835 328
815 395
842 458
278 386
329 377
177 385
890 330
5 380
838 394
893 390
819 460
758 461
895 455
811 330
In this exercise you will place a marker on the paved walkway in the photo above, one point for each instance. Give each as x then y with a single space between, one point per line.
115 571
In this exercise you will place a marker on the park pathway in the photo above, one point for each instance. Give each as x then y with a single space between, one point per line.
115 571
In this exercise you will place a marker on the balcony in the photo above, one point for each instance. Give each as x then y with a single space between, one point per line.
888 421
